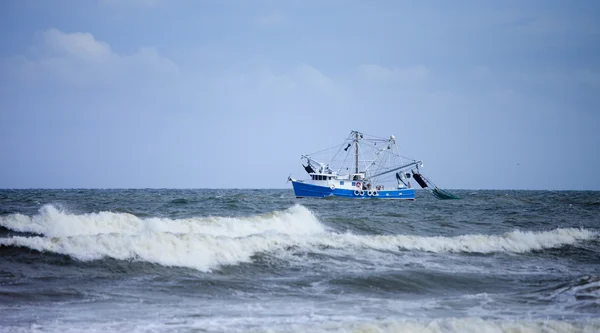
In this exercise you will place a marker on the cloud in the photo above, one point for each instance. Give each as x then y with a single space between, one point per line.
78 45
80 59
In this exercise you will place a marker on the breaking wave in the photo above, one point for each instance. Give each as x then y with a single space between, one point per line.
515 241
209 242
55 222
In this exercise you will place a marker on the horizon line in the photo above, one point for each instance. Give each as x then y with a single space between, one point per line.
265 188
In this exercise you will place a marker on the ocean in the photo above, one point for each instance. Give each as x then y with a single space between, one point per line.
160 260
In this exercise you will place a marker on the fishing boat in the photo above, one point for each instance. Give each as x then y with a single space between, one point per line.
360 167
363 167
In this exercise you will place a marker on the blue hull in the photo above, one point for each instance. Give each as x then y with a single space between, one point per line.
302 190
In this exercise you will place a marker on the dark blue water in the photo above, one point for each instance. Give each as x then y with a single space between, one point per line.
264 261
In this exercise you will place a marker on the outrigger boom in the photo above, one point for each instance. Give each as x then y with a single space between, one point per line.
416 163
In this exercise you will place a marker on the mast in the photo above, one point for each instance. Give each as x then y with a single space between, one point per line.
356 152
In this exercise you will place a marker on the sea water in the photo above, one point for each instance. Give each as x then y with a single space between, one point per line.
265 261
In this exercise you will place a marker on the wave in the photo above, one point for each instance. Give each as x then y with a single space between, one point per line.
515 241
585 288
181 201
54 222
200 243
209 242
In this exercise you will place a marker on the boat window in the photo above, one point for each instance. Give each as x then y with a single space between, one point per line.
341 182
320 177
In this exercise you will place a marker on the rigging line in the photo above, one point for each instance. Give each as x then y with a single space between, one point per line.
399 151
376 140
343 163
378 156
338 152
326 149
402 151
374 136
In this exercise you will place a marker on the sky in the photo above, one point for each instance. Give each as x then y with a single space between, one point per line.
229 94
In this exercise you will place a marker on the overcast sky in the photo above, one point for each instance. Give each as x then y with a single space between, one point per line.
222 94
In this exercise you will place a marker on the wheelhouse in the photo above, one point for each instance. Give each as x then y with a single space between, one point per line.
315 176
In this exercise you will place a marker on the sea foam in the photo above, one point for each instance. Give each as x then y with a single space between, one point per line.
206 243
306 324
54 222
